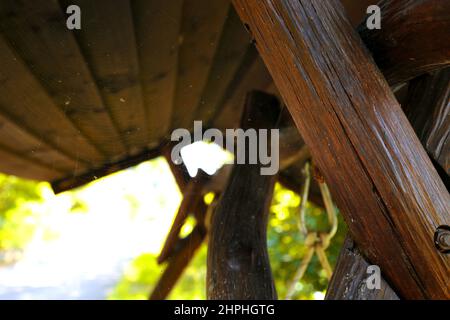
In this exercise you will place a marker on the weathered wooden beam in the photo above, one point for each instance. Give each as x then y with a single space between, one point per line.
179 172
413 39
74 181
388 191
428 109
349 278
238 263
177 263
192 202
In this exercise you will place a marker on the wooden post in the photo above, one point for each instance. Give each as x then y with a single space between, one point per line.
238 262
380 176
349 278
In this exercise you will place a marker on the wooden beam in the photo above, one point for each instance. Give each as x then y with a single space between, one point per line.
381 178
71 181
428 110
413 39
179 172
191 203
177 263
350 275
238 263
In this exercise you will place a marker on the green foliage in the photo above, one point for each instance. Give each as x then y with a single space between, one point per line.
286 250
17 219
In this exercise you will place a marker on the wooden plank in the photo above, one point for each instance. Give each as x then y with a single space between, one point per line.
15 164
381 178
107 39
27 145
349 278
238 263
231 51
192 202
179 172
157 25
428 109
24 100
37 31
413 39
201 27
73 181
177 263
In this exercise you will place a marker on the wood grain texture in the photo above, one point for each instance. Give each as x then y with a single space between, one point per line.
107 40
349 278
157 25
12 162
251 75
191 203
24 143
177 263
428 109
380 176
68 182
413 39
26 102
201 28
231 51
37 31
238 264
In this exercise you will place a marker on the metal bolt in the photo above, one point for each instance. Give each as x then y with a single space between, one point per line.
442 239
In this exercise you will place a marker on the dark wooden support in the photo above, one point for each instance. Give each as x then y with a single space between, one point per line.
177 262
238 262
381 177
413 39
72 181
192 203
428 109
349 278
179 171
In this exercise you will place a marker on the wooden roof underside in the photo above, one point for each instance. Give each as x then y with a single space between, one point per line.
75 101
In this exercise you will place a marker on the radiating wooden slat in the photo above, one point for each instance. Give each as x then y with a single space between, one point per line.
25 144
107 39
201 28
251 75
37 31
157 25
231 51
15 164
24 100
